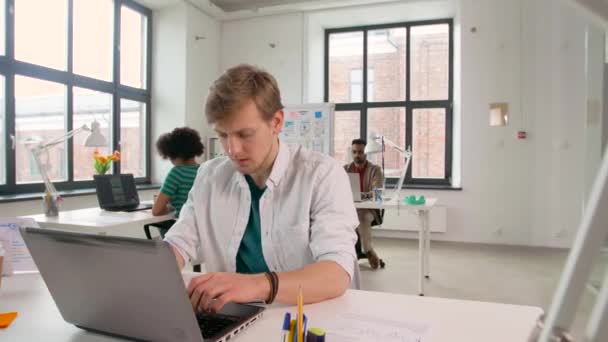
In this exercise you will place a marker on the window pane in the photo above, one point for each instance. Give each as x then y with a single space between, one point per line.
347 126
428 160
430 62
133 137
90 106
389 122
40 32
345 57
2 133
93 30
386 64
133 28
40 114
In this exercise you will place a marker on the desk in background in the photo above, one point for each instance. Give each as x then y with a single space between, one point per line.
424 232
98 221
448 320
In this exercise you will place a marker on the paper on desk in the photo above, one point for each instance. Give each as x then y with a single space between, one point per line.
352 327
17 258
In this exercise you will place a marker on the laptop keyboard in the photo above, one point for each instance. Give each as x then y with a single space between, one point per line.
213 324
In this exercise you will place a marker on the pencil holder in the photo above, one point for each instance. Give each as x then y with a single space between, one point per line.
50 205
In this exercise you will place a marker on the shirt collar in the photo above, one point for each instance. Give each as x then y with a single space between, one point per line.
279 168
280 165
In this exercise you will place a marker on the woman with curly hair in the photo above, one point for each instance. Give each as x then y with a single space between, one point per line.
180 146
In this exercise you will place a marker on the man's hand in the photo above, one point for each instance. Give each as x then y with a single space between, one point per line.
211 291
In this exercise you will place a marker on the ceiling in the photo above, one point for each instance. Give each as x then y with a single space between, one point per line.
237 5
224 5
238 9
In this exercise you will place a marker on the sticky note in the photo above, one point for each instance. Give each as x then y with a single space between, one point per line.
318 115
6 319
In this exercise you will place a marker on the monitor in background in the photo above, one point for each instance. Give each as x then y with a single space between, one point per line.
355 185
118 193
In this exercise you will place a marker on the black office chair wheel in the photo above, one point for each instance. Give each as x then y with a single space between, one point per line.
382 264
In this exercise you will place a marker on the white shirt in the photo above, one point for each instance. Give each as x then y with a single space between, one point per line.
306 214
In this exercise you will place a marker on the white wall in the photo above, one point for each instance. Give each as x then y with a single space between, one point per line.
169 78
203 65
248 41
183 67
526 192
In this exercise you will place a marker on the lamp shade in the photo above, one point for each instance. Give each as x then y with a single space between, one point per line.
373 146
95 139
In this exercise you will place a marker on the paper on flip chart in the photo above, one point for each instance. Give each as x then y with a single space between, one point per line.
17 258
352 327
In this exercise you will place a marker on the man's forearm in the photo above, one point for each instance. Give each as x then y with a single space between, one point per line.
320 281
178 258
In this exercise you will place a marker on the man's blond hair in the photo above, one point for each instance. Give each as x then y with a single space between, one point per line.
239 85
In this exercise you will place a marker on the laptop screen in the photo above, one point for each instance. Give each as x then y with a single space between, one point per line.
116 191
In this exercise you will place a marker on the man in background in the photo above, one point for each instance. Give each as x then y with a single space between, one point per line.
370 176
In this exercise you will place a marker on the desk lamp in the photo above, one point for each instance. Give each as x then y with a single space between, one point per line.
37 147
376 143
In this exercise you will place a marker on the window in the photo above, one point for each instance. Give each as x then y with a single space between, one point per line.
90 107
40 115
93 37
347 126
67 75
40 32
133 136
408 72
133 28
356 85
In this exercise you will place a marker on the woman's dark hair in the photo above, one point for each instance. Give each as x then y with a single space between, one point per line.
182 142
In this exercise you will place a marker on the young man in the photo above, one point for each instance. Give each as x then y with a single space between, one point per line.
267 219
370 176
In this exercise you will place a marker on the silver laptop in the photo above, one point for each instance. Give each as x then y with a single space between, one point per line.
126 287
355 185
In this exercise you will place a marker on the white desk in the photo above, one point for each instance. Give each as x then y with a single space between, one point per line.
98 221
449 320
424 233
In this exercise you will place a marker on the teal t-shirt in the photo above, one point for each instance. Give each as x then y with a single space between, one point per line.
250 258
178 183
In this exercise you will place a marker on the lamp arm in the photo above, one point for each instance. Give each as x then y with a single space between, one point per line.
397 147
40 148
62 138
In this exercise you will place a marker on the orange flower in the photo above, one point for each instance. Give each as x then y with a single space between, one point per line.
116 156
102 160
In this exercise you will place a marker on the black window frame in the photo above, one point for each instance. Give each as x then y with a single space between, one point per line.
10 67
408 104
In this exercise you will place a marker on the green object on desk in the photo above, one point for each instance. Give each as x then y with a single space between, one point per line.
315 335
411 200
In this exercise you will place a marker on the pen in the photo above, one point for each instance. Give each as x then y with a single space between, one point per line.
286 325
300 320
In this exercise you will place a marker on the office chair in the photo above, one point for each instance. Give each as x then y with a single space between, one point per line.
358 246
163 227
